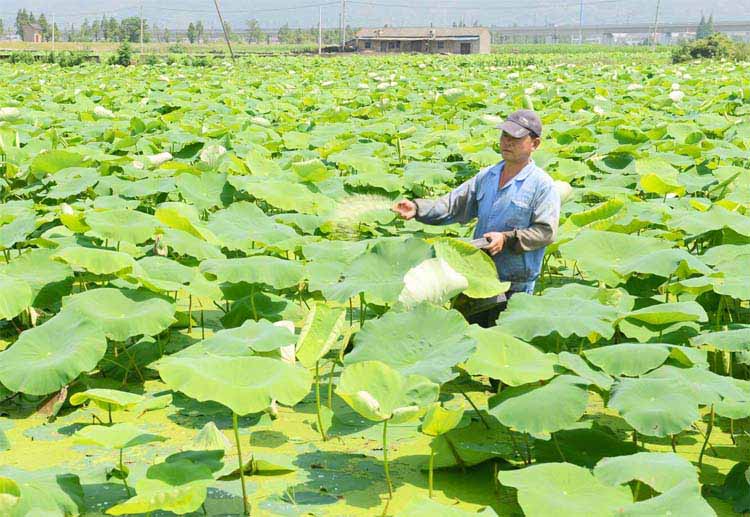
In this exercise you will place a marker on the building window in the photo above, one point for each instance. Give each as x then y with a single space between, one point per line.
368 44
441 44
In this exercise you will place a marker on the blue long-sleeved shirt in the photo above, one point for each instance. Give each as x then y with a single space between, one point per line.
526 210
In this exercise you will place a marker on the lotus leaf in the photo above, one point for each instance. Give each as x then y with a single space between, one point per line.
577 365
501 356
429 508
321 330
15 296
243 224
184 243
243 384
117 436
43 493
107 399
275 272
47 357
49 280
204 191
122 225
9 494
564 490
94 260
432 280
530 316
428 341
122 313
733 340
631 359
684 500
666 313
661 471
439 420
474 265
378 392
542 410
379 272
665 263
210 438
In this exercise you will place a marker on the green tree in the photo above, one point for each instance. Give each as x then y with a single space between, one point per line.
22 18
199 31
710 30
191 36
254 33
130 29
167 36
113 29
2 28
46 29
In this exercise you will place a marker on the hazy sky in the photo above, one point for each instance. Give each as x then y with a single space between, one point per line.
372 13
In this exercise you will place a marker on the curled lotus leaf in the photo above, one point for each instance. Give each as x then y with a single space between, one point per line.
432 280
117 437
661 471
107 399
95 260
321 330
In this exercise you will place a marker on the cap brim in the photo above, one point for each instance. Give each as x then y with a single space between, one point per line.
513 129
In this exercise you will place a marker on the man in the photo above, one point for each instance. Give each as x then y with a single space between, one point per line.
516 205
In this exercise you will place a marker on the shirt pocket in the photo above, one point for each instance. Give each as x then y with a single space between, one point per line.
519 213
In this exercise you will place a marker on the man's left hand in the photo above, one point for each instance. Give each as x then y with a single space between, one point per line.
497 241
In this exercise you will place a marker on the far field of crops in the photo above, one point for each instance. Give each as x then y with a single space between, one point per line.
205 299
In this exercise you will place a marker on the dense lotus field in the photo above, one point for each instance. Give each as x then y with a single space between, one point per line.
204 294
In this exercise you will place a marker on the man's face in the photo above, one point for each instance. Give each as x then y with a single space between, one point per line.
518 149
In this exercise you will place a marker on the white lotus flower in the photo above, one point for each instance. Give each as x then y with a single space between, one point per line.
598 110
529 90
432 280
635 86
676 95
564 190
369 401
154 160
9 113
422 65
261 121
327 83
287 352
687 77
164 78
212 154
538 86
514 75
102 112
67 209
675 86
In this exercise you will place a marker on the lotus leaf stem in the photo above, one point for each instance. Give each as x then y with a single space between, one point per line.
317 401
637 489
528 448
557 446
385 460
252 304
709 428
666 289
235 426
124 475
190 314
476 409
362 309
109 414
203 327
431 471
674 443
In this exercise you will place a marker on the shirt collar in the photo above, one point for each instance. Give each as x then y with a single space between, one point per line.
522 174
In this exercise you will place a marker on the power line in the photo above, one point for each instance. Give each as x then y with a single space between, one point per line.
494 7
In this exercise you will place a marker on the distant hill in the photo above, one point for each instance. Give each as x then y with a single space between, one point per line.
370 13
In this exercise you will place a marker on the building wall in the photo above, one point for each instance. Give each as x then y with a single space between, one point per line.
482 46
31 35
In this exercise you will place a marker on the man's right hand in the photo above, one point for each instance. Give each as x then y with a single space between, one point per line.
405 209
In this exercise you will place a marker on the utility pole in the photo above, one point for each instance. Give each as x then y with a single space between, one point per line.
656 23
141 16
320 30
580 24
53 33
343 24
224 28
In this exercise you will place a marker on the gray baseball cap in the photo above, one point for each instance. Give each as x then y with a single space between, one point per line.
521 123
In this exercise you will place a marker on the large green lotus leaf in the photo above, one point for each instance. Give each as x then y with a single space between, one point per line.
422 507
117 436
724 253
735 489
355 211
631 359
465 446
424 173
665 263
577 365
122 225
544 409
530 316
262 305
733 340
432 280
49 162
684 500
176 486
599 217
321 330
44 493
122 313
693 222
243 384
666 313
661 471
439 420
275 272
10 493
15 296
598 254
47 357
733 278
379 272
16 231
707 387
184 243
618 298
312 171
204 191
583 446
72 181
428 341
183 217
501 356
284 194
378 392
95 260
162 274
106 398
49 280
662 184
251 338
243 224
564 490
655 407
474 264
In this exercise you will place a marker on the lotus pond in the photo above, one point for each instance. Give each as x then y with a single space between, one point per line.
207 306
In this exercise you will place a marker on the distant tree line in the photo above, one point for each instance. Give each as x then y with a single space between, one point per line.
104 29
24 17
705 27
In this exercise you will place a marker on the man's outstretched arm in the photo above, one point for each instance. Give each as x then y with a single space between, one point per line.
458 206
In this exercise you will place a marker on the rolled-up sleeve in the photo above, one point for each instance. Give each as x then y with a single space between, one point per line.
544 222
458 206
